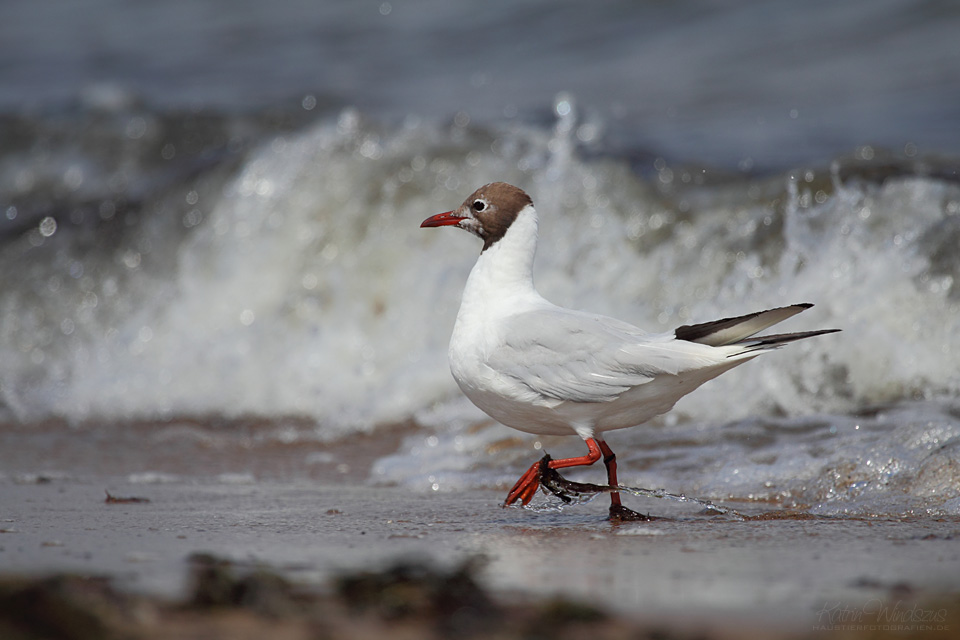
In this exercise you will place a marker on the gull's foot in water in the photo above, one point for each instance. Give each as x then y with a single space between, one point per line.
525 488
619 513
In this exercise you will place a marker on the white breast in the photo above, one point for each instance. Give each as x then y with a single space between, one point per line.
501 285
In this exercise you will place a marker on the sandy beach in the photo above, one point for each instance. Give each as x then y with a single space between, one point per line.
788 574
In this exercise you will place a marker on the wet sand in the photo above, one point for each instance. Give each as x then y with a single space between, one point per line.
688 571
701 571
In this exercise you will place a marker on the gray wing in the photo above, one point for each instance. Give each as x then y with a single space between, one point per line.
569 355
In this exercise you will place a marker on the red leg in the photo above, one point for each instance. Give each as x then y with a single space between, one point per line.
618 512
529 482
610 462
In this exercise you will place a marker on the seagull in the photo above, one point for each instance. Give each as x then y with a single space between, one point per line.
547 370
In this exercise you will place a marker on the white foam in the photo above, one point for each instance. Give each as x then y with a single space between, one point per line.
308 289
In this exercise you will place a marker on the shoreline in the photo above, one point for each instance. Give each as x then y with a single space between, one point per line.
782 575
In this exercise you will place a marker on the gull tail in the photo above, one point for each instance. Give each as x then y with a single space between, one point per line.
740 330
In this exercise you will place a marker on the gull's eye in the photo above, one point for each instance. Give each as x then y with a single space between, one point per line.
479 205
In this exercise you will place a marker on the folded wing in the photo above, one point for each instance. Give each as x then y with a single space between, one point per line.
572 356
564 355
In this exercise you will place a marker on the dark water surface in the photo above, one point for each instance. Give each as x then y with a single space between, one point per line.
756 83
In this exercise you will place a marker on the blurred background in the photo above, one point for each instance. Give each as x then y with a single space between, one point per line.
738 83
209 211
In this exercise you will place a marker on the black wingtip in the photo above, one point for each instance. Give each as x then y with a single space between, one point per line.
773 341
703 331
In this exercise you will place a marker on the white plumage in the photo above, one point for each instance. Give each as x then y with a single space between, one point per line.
545 369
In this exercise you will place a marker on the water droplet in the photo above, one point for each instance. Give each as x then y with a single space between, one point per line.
588 132
131 259
349 121
107 209
136 128
192 218
329 252
309 281
48 226
370 149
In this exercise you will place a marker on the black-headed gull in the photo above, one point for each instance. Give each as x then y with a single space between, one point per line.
547 370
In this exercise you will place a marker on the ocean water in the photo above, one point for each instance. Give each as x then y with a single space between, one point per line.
758 84
226 226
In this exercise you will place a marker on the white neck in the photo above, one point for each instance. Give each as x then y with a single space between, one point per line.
504 271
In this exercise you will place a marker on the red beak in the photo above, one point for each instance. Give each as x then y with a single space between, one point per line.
442 220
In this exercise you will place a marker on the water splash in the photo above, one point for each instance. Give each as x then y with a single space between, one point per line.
293 281
571 493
